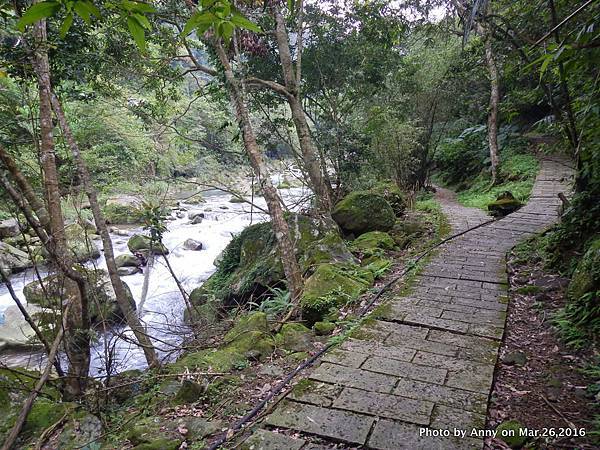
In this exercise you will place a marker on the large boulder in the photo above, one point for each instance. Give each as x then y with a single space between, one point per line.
332 286
102 299
143 244
505 204
586 277
250 265
363 211
9 228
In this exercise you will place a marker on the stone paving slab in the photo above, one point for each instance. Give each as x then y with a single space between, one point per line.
338 425
426 366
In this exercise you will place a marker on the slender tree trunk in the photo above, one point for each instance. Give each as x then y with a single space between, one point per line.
117 284
564 87
310 155
280 225
493 106
77 342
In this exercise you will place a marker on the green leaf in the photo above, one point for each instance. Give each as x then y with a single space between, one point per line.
66 25
37 12
239 20
222 11
137 6
544 65
82 10
225 30
142 20
200 20
137 31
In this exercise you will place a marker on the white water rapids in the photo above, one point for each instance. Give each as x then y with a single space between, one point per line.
164 306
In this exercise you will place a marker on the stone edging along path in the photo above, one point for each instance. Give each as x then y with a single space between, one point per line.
427 363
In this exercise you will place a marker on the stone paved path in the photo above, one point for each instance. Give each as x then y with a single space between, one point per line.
427 363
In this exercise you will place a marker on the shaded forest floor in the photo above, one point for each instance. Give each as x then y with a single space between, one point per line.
539 380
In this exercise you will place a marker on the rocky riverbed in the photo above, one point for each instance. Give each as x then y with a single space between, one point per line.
197 234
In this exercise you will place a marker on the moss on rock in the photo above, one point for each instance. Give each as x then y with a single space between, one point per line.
294 337
324 328
250 265
505 204
363 211
249 337
332 286
330 248
373 242
142 243
392 194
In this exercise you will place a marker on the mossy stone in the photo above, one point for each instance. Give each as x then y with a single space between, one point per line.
130 385
331 286
505 204
509 432
294 337
373 242
250 334
189 392
324 328
43 414
363 211
160 444
252 322
392 194
127 261
330 248
142 243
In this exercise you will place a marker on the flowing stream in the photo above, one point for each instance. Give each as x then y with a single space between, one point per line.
164 306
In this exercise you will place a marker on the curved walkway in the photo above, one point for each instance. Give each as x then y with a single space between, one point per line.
425 367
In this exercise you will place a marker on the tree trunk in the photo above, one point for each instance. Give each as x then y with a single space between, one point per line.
280 225
310 155
571 127
77 341
117 284
493 107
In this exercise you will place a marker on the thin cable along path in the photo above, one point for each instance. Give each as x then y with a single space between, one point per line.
422 372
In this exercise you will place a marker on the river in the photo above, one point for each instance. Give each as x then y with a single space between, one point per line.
164 306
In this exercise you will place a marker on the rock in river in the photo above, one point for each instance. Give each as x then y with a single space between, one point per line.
192 244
